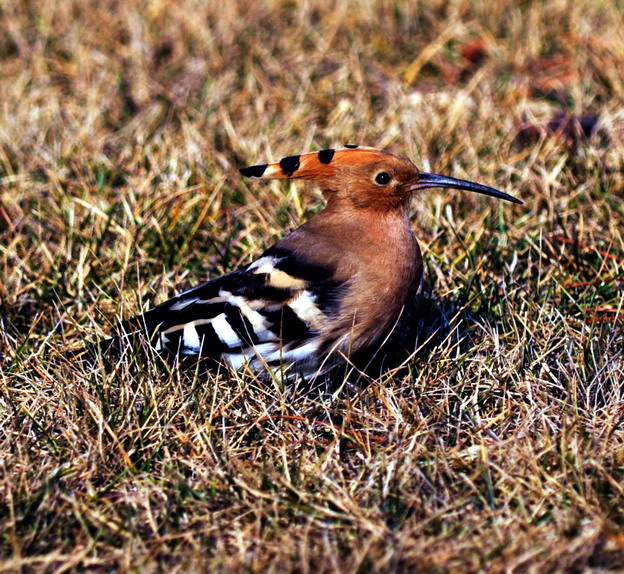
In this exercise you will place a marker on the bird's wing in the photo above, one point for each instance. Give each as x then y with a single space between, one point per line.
271 311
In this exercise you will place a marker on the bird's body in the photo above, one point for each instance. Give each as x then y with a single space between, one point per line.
331 290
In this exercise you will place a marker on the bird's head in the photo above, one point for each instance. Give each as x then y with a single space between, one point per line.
364 177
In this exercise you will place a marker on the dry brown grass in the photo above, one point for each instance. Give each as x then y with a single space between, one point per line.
121 125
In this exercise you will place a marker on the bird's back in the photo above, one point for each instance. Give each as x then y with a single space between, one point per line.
272 313
305 305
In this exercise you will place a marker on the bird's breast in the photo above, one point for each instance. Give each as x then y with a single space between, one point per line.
384 277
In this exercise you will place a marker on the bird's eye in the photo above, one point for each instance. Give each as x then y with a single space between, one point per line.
382 178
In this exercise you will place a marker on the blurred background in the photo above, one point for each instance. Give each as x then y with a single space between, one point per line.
239 81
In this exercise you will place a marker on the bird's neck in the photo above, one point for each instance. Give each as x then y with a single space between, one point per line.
376 257
379 258
364 232
376 246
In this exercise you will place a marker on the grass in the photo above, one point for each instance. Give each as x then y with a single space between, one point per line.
500 448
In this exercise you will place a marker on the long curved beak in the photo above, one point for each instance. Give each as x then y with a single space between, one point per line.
427 180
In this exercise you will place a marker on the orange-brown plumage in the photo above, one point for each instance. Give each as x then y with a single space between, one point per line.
330 291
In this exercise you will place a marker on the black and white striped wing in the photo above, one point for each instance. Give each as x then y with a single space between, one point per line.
269 312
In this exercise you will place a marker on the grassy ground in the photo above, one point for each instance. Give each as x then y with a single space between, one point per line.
121 128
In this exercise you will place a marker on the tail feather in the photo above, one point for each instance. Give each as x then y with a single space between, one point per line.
269 313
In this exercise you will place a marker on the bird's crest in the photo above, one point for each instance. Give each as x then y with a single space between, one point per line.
400 178
314 165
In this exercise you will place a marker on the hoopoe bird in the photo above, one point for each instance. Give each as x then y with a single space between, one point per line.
328 292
